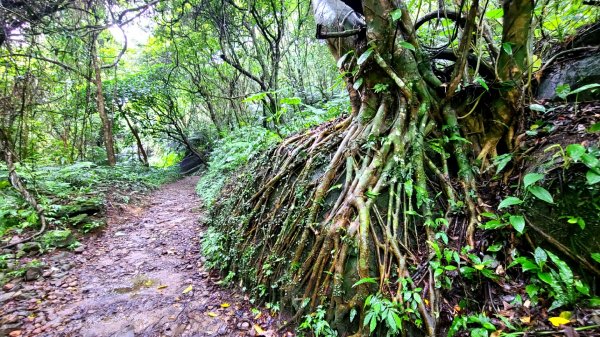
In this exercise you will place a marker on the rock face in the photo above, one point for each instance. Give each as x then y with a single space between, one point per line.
576 73
190 164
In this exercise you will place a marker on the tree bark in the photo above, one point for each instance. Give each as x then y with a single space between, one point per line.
142 155
107 130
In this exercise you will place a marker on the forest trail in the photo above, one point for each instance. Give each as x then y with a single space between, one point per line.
142 276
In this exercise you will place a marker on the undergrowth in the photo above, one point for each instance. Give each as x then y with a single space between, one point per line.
229 153
70 194
239 146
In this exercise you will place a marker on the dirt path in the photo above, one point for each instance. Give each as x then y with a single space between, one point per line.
141 277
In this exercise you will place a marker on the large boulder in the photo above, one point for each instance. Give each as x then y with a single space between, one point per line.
574 72
576 62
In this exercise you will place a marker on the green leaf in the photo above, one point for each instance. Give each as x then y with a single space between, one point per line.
493 224
509 201
527 265
357 84
396 14
541 193
565 273
575 151
353 313
546 277
291 100
532 178
540 256
482 83
592 177
507 47
398 320
342 59
373 325
582 287
518 223
596 257
365 56
494 14
501 161
407 45
563 90
365 280
255 97
537 107
594 128
479 332
495 248
590 161
585 87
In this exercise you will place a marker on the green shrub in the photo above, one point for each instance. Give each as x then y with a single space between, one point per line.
230 153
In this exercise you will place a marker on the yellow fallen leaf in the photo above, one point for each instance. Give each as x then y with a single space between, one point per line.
557 321
162 286
258 329
258 315
225 305
148 283
212 314
565 315
525 319
426 302
187 290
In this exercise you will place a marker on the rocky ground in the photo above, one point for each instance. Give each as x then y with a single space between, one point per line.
141 276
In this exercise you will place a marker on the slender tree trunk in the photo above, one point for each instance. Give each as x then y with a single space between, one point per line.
143 157
107 131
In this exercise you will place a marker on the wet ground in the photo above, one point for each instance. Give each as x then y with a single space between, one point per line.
142 276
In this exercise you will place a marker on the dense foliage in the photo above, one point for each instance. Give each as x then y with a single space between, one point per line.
412 184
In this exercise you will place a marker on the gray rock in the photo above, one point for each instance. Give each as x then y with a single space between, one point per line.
8 328
33 273
576 73
9 296
29 247
243 326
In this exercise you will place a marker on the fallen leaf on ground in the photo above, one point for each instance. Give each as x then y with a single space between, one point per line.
188 289
565 315
225 305
212 314
258 329
162 286
557 321
525 319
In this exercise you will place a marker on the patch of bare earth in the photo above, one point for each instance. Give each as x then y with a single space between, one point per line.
142 276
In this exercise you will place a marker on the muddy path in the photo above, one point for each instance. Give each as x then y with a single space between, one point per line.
142 276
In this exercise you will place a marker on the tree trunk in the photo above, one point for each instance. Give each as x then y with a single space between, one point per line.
107 131
142 156
372 195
